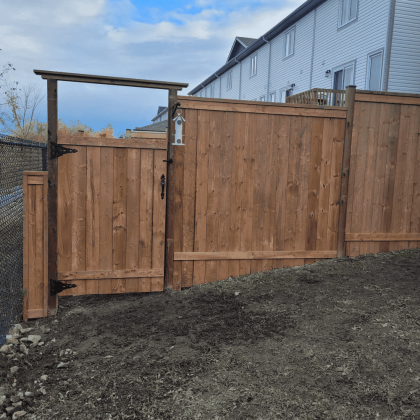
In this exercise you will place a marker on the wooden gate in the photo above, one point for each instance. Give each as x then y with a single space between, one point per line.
257 187
111 215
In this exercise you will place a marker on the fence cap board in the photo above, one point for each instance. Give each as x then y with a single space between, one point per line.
387 97
109 80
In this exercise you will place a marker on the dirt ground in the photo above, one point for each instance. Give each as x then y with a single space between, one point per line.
339 339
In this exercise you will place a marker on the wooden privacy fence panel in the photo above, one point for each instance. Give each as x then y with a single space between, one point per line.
111 217
256 187
383 212
35 245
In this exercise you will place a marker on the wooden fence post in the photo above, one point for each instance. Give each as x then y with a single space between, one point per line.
170 195
341 240
52 191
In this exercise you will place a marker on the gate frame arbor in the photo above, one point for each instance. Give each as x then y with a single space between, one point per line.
52 78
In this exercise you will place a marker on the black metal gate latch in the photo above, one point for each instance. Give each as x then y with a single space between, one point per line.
162 182
58 286
58 150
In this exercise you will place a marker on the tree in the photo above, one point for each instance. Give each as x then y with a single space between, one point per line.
18 105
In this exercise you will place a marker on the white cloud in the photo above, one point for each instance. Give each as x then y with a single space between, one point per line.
104 37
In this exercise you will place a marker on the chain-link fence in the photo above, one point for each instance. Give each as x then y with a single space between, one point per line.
16 156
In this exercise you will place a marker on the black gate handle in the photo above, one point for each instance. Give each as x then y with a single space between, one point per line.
162 182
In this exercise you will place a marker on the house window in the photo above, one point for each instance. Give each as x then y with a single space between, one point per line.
374 72
273 97
343 77
348 11
253 69
289 43
229 81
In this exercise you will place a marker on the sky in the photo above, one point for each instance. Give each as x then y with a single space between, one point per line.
178 41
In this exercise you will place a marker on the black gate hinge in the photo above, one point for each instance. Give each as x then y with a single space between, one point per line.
58 286
58 150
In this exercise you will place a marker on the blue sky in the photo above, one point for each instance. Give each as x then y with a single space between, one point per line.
183 41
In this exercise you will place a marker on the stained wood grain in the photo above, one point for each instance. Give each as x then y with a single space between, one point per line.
104 275
133 143
200 235
189 191
133 216
93 178
146 217
106 217
252 255
158 227
78 233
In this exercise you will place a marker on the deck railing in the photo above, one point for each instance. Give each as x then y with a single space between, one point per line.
326 97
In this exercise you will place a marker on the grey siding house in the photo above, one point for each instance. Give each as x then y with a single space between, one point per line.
327 44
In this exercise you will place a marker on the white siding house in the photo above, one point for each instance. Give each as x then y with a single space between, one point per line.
373 44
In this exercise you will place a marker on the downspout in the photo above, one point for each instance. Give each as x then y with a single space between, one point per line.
313 51
269 67
391 20
240 76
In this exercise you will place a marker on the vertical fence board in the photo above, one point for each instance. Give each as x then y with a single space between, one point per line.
334 198
188 198
79 217
260 179
415 215
201 194
133 216
368 187
397 205
314 183
226 146
380 172
119 217
284 128
106 216
236 191
292 187
93 178
248 191
146 216
269 193
25 250
215 123
159 209
303 183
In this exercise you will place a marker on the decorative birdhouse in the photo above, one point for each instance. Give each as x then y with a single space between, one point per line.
178 131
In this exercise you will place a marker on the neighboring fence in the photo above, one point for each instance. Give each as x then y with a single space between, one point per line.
383 212
325 97
256 187
16 156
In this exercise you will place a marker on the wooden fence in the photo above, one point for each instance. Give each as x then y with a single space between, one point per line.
111 217
383 212
256 187
253 187
35 245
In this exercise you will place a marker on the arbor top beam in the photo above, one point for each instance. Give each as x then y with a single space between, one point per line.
109 80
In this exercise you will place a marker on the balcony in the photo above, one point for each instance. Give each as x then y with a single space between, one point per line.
324 97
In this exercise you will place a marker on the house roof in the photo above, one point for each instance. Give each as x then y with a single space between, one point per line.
161 110
160 126
296 15
238 46
246 41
